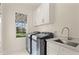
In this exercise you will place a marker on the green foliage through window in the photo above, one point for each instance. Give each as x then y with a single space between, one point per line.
20 25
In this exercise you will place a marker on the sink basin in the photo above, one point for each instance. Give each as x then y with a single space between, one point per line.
58 40
73 44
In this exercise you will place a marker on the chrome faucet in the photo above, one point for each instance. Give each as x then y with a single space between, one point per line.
68 32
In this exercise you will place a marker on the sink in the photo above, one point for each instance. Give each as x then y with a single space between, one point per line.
73 44
58 40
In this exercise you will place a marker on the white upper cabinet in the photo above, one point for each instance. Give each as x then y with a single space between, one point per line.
44 14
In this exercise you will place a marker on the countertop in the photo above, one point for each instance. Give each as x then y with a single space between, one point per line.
64 45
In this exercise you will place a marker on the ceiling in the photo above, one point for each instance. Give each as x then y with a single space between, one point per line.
30 6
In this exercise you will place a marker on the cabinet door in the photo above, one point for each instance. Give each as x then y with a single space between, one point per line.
45 13
52 49
38 16
48 13
66 51
41 15
38 13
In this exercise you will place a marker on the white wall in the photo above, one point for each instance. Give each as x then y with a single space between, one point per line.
0 34
66 15
10 43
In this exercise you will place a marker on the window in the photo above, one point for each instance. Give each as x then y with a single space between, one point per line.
20 25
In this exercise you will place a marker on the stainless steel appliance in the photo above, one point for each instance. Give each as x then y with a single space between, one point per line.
39 44
29 41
